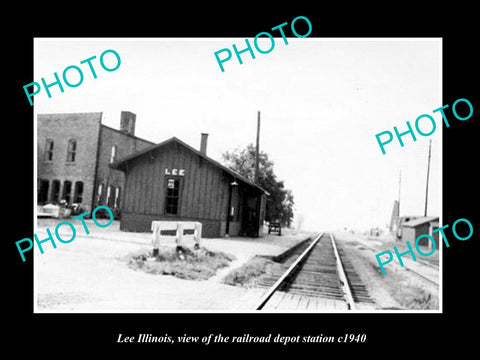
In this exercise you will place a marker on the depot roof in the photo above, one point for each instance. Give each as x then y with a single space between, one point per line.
420 221
121 163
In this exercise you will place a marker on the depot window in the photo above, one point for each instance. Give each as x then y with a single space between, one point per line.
172 196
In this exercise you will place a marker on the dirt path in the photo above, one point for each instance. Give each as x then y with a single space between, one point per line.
90 275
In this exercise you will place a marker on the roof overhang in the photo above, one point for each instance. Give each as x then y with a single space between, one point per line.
121 164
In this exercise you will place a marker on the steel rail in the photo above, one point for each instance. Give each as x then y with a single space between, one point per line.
264 299
343 277
422 276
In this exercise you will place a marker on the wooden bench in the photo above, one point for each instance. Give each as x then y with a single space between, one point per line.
275 227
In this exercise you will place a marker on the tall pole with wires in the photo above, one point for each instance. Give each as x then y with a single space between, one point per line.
428 175
257 150
399 185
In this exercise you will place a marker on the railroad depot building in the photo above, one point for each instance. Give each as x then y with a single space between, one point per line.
173 181
73 154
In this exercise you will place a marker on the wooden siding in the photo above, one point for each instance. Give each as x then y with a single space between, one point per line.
203 192
143 222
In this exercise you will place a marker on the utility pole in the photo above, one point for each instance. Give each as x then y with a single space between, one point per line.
428 175
259 221
399 185
257 149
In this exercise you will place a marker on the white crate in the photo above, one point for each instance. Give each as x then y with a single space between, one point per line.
179 227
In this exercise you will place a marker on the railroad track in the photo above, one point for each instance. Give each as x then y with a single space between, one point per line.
316 269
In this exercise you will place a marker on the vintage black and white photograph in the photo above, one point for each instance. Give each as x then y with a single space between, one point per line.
209 175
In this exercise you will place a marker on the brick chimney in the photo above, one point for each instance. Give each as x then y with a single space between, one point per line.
127 122
203 144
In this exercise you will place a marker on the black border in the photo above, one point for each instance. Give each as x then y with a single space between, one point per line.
387 334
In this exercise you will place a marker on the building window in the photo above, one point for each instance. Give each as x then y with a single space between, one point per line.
43 191
173 195
113 155
48 150
99 194
71 150
78 196
55 191
67 190
110 196
117 198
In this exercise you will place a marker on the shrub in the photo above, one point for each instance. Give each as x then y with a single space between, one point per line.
182 262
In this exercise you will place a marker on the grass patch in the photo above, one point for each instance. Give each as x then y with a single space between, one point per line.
252 271
198 264
402 247
415 298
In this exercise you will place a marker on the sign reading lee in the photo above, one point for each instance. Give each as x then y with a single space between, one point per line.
175 172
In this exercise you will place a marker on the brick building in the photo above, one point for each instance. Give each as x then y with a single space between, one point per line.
73 154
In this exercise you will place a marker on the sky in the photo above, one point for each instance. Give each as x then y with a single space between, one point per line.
322 101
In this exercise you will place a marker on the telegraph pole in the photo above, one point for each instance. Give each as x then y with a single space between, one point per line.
399 185
259 221
257 149
428 175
